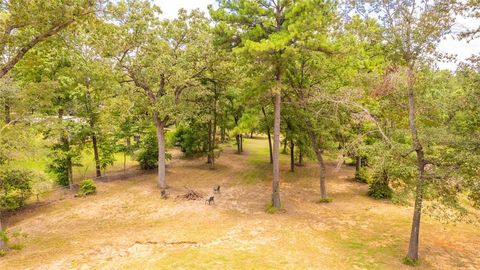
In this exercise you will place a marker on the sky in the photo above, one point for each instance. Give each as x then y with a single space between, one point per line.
462 49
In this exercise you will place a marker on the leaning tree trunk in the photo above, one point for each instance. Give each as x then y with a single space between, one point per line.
276 152
268 134
417 146
160 128
292 156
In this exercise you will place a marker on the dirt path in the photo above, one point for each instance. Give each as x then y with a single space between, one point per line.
127 226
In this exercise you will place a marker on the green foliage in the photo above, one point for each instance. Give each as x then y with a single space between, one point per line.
379 187
192 138
270 209
410 262
66 151
325 200
362 175
15 187
147 156
87 187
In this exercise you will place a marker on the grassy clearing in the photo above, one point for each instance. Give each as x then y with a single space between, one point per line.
126 225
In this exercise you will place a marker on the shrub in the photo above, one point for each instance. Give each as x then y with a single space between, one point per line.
379 187
362 175
148 154
87 187
191 139
15 188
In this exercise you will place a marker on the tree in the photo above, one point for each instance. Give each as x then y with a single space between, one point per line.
161 59
413 29
25 24
267 32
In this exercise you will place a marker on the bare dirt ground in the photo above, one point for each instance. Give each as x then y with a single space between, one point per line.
128 226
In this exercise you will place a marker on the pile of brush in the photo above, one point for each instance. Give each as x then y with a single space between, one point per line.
191 195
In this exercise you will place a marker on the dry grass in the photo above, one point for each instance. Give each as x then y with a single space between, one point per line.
128 226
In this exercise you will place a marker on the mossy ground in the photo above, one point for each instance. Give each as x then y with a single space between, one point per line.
128 226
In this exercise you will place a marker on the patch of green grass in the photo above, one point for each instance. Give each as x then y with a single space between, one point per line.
365 250
325 200
252 177
17 246
270 209
410 262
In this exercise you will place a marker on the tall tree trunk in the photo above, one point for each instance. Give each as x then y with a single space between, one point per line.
300 157
209 143
241 143
321 165
285 142
268 135
2 243
237 138
160 126
222 133
70 173
7 108
214 133
292 156
96 155
358 163
276 147
417 146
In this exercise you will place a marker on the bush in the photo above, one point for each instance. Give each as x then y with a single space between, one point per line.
362 175
191 139
87 187
15 188
148 154
380 190
379 187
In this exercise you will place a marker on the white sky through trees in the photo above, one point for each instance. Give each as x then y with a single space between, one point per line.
451 45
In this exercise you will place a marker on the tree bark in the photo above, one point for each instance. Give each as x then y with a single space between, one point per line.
70 173
214 133
209 143
358 163
96 155
241 143
7 108
237 138
417 146
2 243
160 128
300 157
321 165
268 135
276 147
292 156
